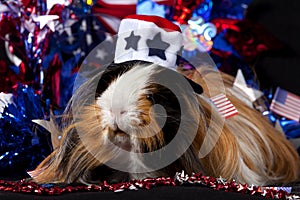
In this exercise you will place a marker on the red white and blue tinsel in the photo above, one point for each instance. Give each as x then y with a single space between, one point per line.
41 48
22 143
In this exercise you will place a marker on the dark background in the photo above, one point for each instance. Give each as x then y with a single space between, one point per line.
281 19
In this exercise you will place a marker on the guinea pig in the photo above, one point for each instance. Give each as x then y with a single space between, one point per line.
136 119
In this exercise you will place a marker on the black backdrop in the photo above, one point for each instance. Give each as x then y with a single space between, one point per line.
281 19
171 193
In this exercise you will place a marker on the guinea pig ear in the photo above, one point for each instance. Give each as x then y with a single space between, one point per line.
196 87
169 72
183 62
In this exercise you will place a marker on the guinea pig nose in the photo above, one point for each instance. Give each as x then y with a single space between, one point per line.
123 112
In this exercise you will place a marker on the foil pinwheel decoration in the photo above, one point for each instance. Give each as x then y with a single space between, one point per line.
198 34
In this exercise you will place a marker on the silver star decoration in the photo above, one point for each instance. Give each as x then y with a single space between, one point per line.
52 128
44 20
240 83
101 54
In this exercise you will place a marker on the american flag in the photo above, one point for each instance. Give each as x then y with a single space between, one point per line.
286 104
110 12
224 105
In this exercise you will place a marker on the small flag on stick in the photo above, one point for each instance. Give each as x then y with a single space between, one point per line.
286 104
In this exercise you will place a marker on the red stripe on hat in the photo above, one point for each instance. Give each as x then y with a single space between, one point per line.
159 21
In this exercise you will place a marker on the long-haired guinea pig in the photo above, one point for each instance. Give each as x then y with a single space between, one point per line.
137 120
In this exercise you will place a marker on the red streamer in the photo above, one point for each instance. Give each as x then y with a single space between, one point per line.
184 10
180 179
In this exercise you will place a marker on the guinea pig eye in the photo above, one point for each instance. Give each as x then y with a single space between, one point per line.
149 97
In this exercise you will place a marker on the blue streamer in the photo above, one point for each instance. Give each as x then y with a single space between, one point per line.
204 10
230 9
22 143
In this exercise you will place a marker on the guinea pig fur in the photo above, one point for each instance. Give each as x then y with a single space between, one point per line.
113 118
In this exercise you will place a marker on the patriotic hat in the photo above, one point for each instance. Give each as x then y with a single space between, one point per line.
148 38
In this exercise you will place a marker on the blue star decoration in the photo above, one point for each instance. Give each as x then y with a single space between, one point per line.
157 47
132 41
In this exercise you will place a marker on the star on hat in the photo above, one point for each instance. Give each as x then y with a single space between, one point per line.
148 38
157 47
132 41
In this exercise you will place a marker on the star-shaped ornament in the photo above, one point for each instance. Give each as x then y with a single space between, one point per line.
132 41
52 128
101 54
157 47
48 20
240 83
